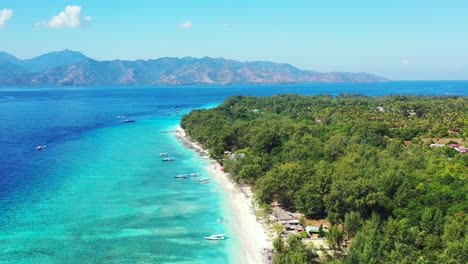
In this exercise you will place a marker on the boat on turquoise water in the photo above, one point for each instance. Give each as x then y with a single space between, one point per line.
194 174
41 147
181 176
164 154
220 220
120 117
215 237
168 159
129 121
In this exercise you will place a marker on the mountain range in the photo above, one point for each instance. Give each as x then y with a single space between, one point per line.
74 68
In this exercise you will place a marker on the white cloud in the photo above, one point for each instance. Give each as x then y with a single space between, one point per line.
69 18
5 14
185 25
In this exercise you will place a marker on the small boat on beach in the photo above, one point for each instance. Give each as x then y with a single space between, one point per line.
168 159
215 237
41 147
181 176
129 121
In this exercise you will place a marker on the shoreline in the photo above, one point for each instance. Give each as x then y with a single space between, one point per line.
252 234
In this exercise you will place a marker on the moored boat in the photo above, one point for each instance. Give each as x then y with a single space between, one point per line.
215 237
168 159
129 121
181 176
41 147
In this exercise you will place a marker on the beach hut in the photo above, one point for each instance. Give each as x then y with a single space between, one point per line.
299 228
315 229
281 215
312 229
293 222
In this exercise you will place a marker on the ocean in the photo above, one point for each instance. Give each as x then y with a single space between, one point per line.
99 192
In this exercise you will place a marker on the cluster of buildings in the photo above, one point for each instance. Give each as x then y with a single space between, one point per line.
292 225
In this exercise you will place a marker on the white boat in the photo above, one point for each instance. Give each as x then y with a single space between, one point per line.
168 159
120 117
164 154
41 147
220 220
129 121
203 180
215 237
194 174
181 176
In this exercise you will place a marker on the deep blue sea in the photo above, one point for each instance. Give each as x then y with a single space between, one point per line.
99 192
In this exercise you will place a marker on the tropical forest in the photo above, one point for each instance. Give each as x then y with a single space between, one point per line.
384 171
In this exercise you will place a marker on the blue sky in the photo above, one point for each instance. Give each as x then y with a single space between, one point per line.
401 40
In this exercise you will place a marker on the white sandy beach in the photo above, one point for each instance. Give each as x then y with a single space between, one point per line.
252 235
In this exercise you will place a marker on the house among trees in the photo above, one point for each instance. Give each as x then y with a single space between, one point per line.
314 231
281 215
460 149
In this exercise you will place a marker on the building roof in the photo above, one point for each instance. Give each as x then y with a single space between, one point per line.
293 222
462 149
312 229
299 228
281 214
315 229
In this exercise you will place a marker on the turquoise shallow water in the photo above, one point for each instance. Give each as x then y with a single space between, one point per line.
99 193
120 203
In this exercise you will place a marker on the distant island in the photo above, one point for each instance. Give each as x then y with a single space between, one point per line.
74 68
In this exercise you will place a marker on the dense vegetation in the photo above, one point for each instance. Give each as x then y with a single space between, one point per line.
363 162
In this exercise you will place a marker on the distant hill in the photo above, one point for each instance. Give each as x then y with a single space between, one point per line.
53 60
43 62
10 70
5 57
73 68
